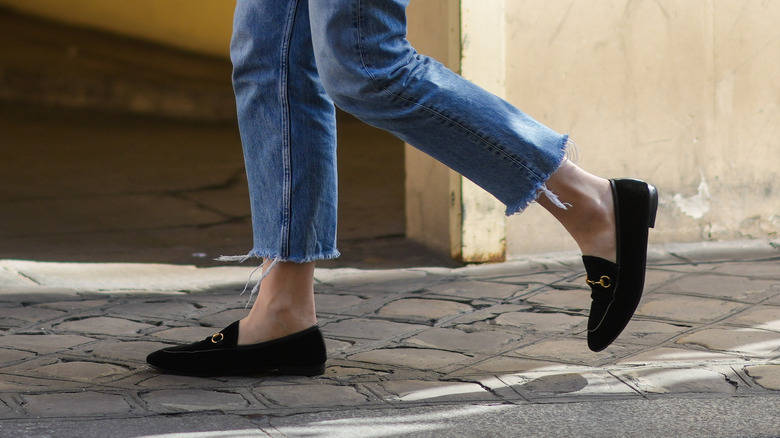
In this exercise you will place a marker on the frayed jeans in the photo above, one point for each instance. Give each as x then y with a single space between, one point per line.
294 59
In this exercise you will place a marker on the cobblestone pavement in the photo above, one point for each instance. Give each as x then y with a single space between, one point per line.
74 338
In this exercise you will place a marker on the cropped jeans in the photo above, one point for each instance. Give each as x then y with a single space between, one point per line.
295 60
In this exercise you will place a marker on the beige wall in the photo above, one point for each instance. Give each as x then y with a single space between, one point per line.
682 93
431 188
197 25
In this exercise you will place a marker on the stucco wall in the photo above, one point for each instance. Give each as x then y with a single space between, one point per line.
202 26
430 186
684 94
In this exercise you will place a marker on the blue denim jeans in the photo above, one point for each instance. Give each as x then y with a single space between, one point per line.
294 59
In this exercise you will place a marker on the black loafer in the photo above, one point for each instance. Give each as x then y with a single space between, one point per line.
617 287
299 354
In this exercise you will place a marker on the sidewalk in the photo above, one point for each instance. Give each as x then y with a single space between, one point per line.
430 347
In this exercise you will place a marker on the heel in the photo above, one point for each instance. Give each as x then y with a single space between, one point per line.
653 205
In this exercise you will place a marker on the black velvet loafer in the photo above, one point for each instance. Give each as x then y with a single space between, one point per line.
617 287
299 354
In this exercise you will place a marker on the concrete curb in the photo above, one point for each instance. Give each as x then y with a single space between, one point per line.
18 276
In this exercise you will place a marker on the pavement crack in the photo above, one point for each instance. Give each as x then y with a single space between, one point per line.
27 277
732 382
229 183
686 260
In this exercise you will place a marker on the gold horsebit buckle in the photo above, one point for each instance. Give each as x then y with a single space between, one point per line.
217 338
604 281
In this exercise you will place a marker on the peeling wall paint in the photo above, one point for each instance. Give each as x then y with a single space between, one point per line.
697 205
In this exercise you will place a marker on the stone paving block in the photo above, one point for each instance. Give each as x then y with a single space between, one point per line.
369 329
766 376
678 355
75 404
81 371
223 319
30 313
759 317
650 332
8 356
164 309
541 322
193 400
43 343
161 381
313 394
655 277
423 308
186 334
417 358
346 372
505 365
9 323
336 304
575 299
770 270
683 380
349 277
427 391
124 351
74 305
460 341
573 351
6 411
218 299
12 381
335 347
104 325
715 253
534 281
775 300
685 308
735 288
486 313
557 383
476 289
758 343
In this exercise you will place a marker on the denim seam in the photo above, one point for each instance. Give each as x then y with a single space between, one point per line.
494 147
284 84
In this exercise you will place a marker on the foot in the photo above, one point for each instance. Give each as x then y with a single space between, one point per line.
595 232
617 286
590 218
302 354
284 304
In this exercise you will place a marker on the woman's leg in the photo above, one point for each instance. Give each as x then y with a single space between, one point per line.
288 131
590 215
284 304
369 69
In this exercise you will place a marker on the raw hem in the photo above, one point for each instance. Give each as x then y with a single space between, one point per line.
275 256
537 188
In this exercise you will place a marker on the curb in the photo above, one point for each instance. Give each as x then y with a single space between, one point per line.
36 276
